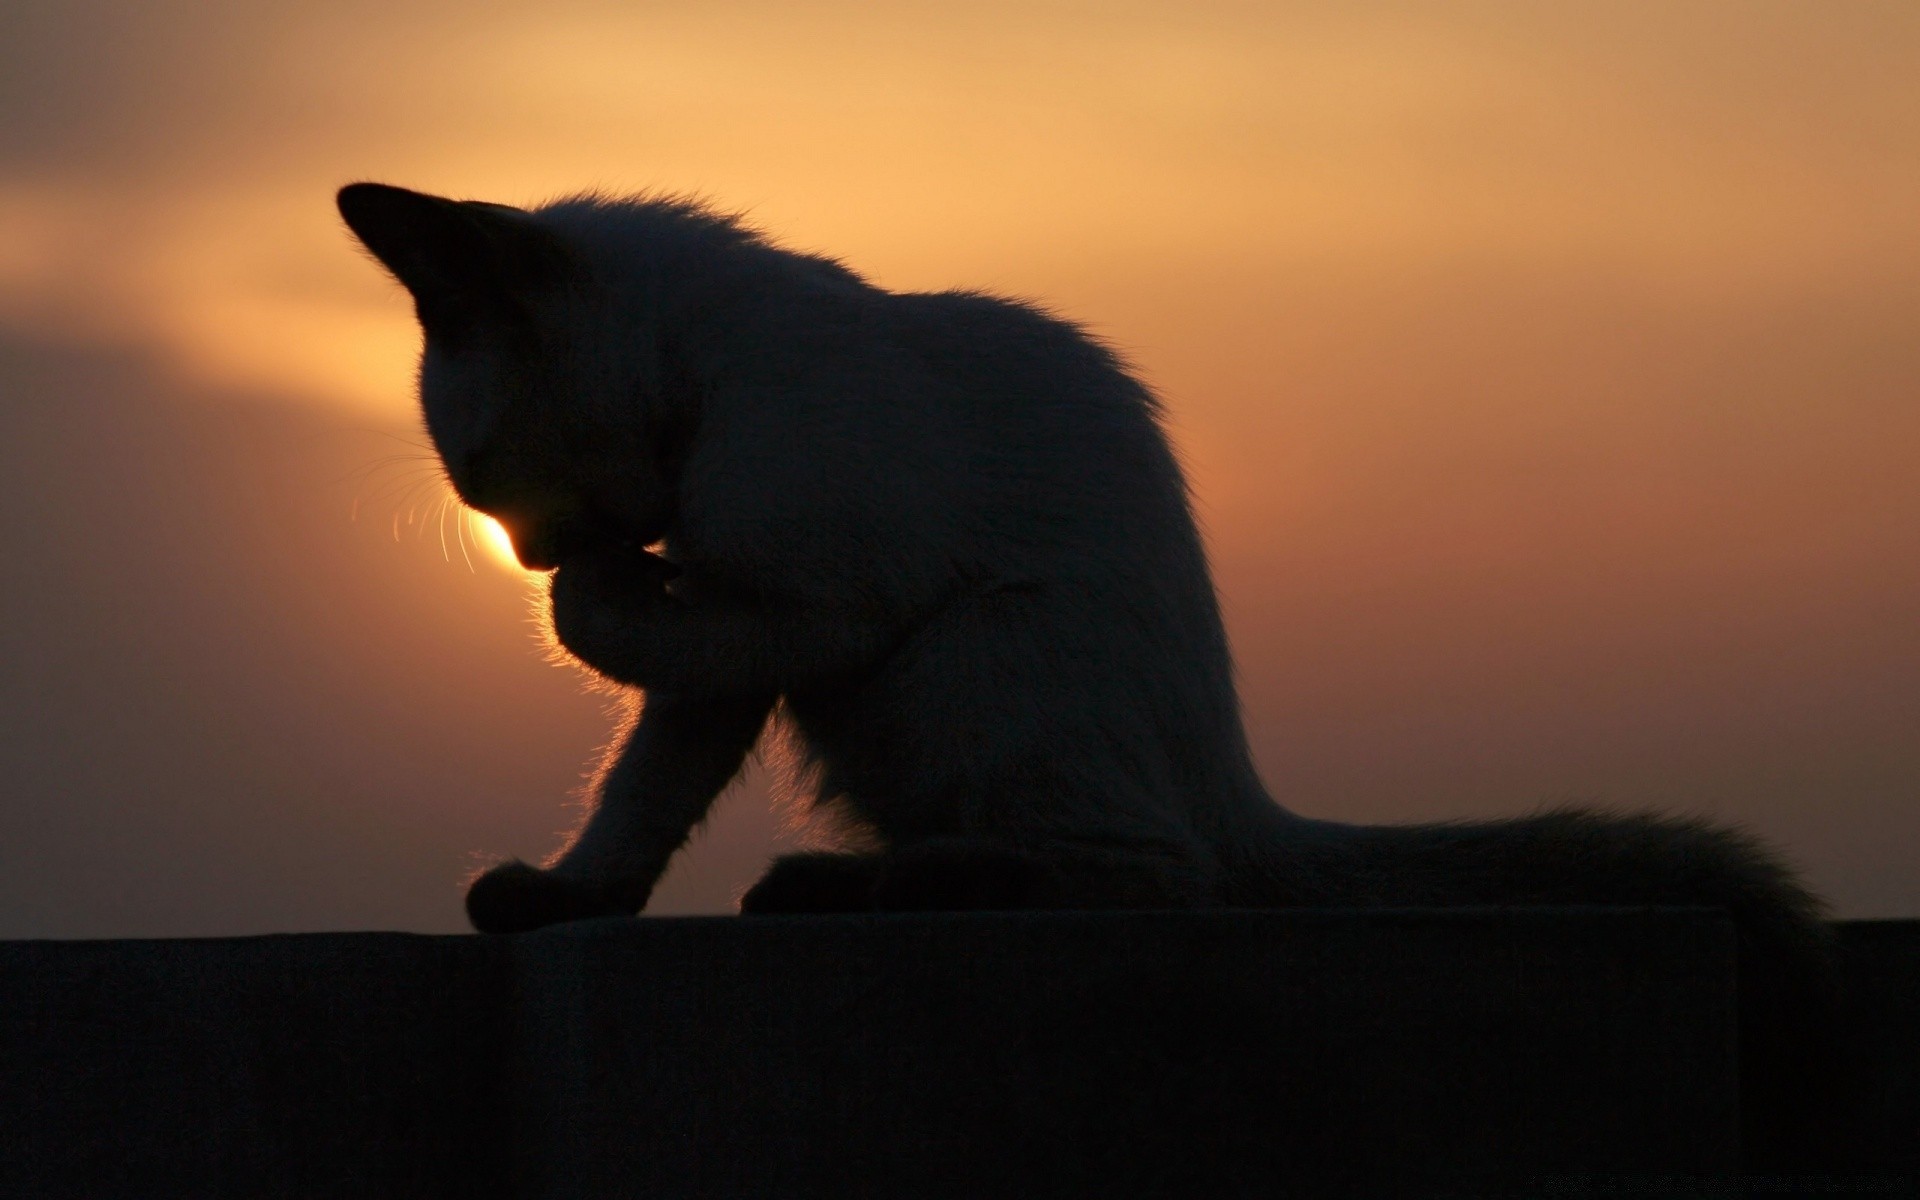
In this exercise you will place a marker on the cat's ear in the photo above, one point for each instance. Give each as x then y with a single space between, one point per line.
468 265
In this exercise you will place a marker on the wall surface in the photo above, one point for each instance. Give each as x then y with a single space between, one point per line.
1244 1053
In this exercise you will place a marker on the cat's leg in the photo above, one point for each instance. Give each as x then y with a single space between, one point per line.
659 783
814 883
635 633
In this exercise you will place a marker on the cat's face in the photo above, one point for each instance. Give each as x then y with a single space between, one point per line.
532 384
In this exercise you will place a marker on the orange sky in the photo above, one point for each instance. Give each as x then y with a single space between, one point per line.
1547 374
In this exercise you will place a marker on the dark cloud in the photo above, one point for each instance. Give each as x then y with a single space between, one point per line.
105 80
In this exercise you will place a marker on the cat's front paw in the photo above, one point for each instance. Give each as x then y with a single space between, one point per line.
604 605
515 897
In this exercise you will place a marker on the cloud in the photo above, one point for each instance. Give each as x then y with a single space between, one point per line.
166 168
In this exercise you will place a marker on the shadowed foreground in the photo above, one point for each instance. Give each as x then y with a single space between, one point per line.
1239 1053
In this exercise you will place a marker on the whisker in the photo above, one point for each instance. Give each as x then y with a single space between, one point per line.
398 491
411 493
415 442
366 471
415 483
460 534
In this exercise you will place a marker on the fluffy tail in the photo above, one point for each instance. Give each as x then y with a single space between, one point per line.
1787 970
1566 856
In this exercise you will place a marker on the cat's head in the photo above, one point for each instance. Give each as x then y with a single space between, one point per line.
539 393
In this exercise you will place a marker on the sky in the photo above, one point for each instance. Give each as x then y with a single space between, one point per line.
1546 376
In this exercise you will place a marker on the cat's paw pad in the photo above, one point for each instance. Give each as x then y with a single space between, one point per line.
515 897
814 883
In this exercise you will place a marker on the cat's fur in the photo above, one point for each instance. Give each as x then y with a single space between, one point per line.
944 537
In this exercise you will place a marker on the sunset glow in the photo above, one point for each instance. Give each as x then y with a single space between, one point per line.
494 540
1023 148
1545 375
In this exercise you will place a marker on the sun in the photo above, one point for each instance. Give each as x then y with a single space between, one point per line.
493 537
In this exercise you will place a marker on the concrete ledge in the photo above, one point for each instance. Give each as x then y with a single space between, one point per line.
302 1065
1880 961
1152 1054
1240 1053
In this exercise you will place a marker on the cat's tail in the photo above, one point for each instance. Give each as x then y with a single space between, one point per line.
1561 856
1787 975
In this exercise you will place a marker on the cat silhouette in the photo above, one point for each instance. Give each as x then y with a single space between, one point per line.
942 541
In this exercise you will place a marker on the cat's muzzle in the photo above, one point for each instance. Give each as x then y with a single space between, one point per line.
543 543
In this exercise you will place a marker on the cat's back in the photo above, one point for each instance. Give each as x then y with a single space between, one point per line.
1013 359
1051 421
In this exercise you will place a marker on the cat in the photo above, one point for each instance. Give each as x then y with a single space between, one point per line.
943 539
